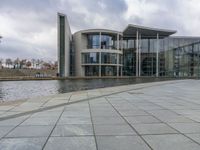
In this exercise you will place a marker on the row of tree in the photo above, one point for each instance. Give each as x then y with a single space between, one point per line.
25 63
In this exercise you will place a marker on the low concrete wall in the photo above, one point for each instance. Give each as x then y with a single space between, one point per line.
26 72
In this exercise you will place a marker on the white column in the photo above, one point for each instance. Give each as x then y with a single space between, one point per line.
117 55
157 57
137 43
139 52
100 54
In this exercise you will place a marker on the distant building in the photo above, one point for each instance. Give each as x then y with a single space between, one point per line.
135 51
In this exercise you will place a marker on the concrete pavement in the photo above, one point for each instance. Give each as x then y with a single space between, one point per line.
159 116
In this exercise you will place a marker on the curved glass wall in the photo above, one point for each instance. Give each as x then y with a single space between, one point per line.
107 41
108 58
91 70
90 58
108 70
93 41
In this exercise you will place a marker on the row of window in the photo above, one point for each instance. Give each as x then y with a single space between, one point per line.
106 58
107 42
105 71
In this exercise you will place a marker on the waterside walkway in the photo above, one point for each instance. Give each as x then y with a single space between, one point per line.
151 116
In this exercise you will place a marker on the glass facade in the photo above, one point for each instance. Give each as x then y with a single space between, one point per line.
177 57
113 60
62 46
108 71
105 42
91 70
90 58
108 42
108 58
93 41
184 60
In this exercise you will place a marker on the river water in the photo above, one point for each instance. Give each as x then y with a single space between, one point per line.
16 90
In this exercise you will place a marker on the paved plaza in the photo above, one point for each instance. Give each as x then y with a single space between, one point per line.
151 116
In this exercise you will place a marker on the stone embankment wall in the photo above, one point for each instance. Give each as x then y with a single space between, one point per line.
26 72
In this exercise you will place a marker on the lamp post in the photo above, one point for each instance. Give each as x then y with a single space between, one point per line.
0 38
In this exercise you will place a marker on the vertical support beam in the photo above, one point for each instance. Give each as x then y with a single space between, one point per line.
100 54
139 52
118 54
157 56
117 65
192 62
137 43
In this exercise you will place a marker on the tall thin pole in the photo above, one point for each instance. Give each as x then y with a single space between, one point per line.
118 55
139 52
100 54
137 44
157 57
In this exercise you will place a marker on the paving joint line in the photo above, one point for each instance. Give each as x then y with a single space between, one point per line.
15 127
167 125
164 108
129 124
95 138
52 129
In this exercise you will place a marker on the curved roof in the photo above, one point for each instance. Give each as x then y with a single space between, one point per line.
146 32
99 30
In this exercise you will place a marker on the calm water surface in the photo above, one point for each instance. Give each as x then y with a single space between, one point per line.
15 90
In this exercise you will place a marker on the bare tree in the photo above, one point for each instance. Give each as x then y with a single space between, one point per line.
16 63
56 65
46 65
28 64
8 62
33 62
22 63
1 62
37 63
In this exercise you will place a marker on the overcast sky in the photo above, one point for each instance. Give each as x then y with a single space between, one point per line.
29 27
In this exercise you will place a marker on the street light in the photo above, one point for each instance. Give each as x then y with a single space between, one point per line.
0 38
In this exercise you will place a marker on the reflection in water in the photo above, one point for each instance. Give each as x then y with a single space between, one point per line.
13 90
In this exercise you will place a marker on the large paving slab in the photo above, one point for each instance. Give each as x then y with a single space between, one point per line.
156 116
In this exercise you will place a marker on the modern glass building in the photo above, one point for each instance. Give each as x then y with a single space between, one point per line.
135 51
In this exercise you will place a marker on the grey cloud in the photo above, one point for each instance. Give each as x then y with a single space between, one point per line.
31 24
19 49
